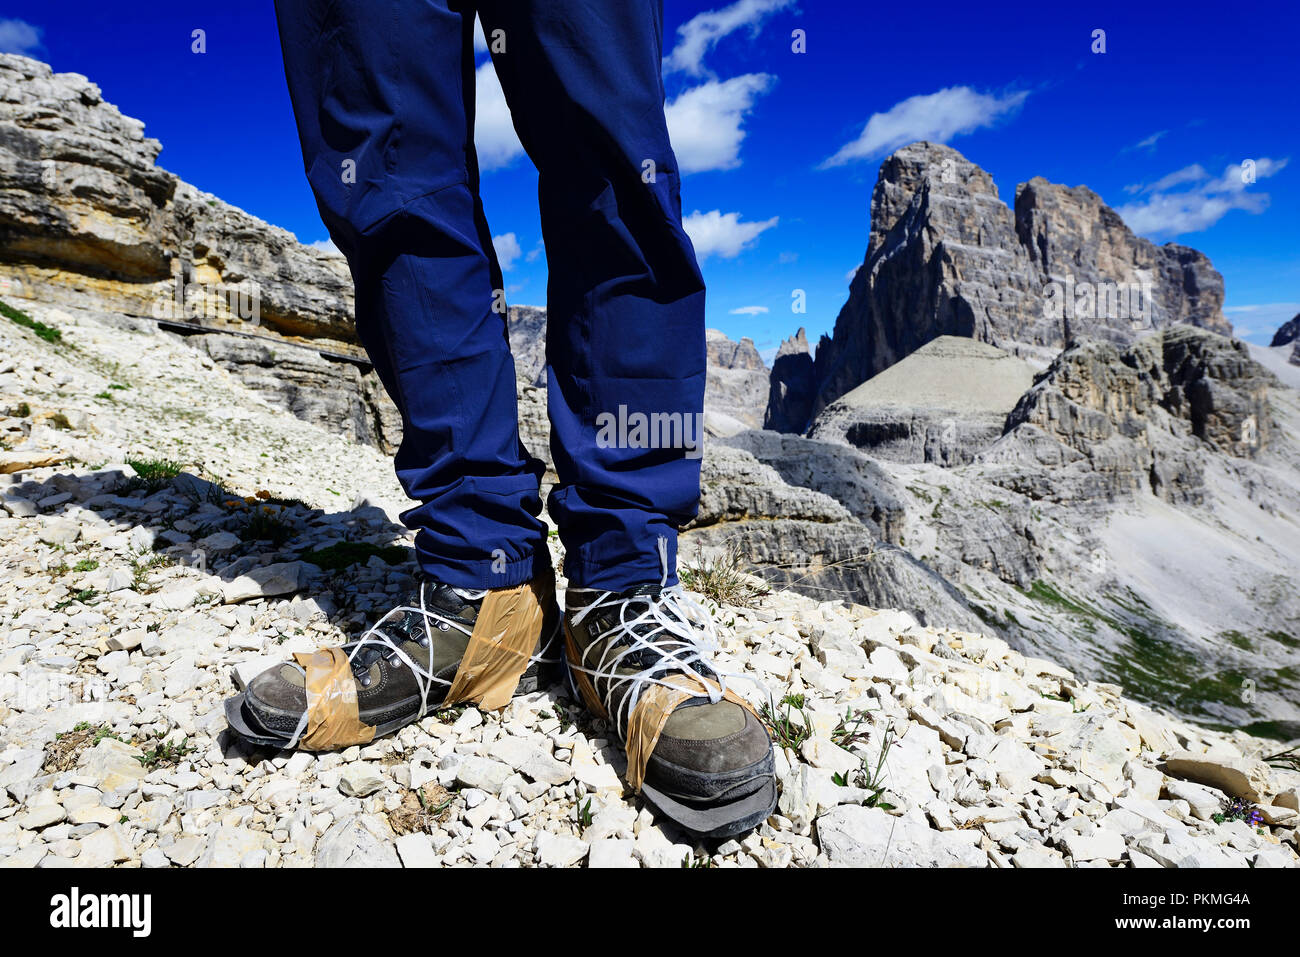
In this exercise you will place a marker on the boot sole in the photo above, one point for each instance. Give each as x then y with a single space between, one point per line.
716 821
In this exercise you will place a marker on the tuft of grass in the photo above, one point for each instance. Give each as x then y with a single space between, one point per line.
63 753
421 809
20 411
721 580
143 565
151 475
342 554
86 565
264 525
18 317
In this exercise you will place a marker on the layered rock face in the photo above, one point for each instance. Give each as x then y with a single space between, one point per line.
85 213
1070 232
947 257
792 387
736 386
1125 417
817 546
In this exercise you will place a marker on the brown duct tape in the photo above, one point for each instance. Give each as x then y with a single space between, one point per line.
651 713
505 634
581 678
332 720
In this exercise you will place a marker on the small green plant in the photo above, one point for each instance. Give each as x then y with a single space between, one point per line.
697 861
849 731
166 754
60 421
84 596
584 813
98 733
151 474
785 731
1235 809
20 411
18 317
871 778
86 565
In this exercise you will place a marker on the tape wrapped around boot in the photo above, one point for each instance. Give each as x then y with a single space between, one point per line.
509 623
332 710
646 723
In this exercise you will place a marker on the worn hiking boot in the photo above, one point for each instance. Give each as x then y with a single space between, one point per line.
407 663
711 769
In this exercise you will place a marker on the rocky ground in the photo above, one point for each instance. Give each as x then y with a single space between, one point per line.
135 598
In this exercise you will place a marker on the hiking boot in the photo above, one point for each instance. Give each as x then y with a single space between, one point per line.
407 663
711 769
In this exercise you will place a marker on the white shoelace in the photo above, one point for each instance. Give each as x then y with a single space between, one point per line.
681 636
375 635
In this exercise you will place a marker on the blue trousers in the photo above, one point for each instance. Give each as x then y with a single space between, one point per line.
383 96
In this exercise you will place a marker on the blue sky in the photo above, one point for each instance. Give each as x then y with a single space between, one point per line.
781 148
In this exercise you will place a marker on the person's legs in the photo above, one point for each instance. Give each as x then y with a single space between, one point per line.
625 340
625 331
383 94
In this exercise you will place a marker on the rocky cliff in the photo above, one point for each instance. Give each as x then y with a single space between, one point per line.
946 257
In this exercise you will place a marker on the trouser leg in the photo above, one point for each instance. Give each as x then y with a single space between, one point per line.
383 96
625 334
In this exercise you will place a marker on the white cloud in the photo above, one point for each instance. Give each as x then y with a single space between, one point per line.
848 276
701 33
704 123
494 135
536 251
749 311
1163 214
480 41
937 117
325 246
724 235
19 36
1147 144
508 250
1188 174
